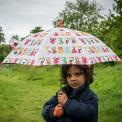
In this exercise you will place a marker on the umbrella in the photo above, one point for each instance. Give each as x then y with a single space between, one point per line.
61 46
13 42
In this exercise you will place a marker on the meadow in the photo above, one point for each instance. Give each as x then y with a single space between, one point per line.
24 90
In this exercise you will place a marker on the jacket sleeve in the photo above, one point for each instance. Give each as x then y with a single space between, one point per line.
48 108
80 110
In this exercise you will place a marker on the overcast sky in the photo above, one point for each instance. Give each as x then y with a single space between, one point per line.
20 16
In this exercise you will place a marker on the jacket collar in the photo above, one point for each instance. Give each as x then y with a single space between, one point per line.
79 90
72 92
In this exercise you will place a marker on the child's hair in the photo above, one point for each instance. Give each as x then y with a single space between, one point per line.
87 70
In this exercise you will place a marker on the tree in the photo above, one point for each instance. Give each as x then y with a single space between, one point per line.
2 39
118 7
81 15
111 29
16 37
4 50
36 30
117 23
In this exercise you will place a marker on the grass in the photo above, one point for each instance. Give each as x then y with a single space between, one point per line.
24 90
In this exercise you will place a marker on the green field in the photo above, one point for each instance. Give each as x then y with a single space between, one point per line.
23 91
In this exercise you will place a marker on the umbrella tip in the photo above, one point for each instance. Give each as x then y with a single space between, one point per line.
58 23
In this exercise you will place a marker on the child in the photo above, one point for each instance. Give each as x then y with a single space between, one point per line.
75 102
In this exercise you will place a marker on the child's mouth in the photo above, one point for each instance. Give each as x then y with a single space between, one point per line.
74 84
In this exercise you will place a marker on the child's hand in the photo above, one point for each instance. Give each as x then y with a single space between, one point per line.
62 97
58 111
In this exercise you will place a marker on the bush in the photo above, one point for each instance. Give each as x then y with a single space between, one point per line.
4 51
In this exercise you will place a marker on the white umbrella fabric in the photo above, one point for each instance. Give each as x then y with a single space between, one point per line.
61 46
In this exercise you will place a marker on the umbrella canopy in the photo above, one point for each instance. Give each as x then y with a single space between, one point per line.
61 46
13 42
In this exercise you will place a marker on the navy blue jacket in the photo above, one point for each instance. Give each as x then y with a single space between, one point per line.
81 106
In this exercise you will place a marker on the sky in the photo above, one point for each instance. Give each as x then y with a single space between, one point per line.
21 16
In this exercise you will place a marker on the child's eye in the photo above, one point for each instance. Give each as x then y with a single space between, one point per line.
78 74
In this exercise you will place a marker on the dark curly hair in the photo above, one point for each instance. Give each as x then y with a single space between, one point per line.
86 69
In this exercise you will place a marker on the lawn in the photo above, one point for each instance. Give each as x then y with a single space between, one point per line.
24 90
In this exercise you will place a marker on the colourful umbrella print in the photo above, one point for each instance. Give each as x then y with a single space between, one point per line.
61 46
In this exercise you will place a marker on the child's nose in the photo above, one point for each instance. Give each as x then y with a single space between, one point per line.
73 77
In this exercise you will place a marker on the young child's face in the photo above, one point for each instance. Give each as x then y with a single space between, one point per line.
75 78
